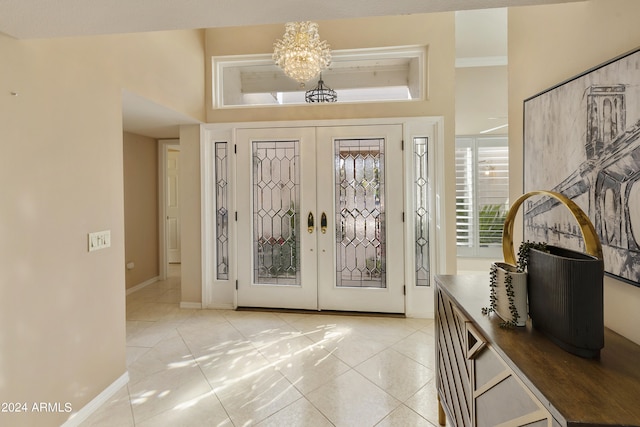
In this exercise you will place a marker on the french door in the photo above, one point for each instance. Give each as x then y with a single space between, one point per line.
320 213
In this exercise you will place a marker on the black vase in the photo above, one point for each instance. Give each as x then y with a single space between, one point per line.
565 291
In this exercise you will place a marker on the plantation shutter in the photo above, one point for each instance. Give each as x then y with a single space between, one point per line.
482 194
465 171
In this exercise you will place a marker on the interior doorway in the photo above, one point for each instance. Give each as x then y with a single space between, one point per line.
169 206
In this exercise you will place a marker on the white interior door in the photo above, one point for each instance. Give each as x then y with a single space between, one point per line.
320 218
172 206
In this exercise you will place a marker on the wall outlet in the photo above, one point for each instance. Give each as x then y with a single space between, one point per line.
99 240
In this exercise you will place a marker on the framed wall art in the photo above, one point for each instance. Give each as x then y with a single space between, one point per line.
582 139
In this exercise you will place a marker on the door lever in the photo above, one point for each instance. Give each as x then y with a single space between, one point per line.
323 223
310 222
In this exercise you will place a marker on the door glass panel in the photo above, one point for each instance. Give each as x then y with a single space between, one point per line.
421 215
222 212
360 226
276 200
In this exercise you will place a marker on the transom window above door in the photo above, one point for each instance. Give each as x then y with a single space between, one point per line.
357 75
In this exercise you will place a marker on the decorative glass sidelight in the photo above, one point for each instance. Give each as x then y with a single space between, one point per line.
276 219
222 212
360 214
421 188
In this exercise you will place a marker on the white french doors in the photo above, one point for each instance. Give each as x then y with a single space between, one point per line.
320 214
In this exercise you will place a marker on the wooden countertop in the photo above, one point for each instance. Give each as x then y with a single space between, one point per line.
583 392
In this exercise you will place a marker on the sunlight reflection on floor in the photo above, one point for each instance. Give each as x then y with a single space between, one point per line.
224 368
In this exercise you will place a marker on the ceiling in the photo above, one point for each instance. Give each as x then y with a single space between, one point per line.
28 19
34 19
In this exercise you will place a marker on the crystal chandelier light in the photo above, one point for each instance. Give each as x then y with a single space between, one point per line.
321 93
300 53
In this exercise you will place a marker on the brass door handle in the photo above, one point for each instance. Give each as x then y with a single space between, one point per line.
323 223
310 222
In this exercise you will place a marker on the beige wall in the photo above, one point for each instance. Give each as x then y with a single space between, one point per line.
481 94
62 309
547 45
140 154
190 230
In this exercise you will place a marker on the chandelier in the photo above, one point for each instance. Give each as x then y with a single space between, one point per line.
300 53
321 93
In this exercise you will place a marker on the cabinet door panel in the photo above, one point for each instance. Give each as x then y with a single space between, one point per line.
453 371
501 398
503 402
487 366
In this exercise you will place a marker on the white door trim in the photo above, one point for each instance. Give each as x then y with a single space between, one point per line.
163 148
419 302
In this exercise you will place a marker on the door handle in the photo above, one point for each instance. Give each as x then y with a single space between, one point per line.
323 223
310 222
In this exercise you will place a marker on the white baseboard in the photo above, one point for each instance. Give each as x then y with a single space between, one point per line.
192 305
142 285
77 418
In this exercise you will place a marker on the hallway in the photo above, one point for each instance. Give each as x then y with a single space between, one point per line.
242 368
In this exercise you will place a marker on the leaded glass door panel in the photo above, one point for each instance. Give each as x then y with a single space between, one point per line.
276 192
360 263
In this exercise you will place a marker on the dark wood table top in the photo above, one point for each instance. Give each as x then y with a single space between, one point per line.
582 392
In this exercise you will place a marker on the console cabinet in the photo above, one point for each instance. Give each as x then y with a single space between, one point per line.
488 376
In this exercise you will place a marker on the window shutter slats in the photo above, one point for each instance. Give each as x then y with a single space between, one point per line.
482 192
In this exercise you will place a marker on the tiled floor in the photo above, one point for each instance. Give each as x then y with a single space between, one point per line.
242 368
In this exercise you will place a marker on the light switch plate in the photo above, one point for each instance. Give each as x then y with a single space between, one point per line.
99 240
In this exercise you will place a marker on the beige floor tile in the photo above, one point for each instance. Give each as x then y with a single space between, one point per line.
152 335
322 328
170 296
311 367
170 353
154 311
425 402
256 397
351 400
419 346
420 323
299 413
133 353
115 412
405 417
216 338
203 410
134 327
387 331
205 319
165 390
235 364
396 373
352 348
282 344
258 325
239 368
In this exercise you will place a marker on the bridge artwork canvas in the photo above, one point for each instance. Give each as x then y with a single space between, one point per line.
582 139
